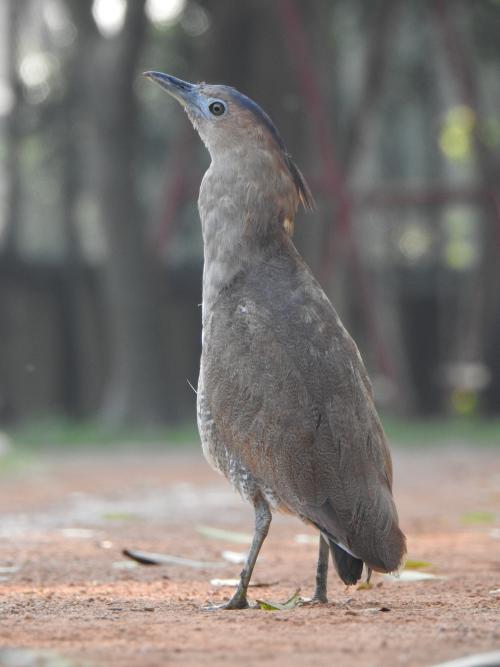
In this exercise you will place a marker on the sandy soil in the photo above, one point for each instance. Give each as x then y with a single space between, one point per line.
65 586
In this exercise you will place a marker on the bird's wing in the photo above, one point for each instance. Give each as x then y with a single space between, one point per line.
288 390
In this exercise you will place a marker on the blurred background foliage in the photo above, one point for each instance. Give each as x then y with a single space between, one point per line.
392 110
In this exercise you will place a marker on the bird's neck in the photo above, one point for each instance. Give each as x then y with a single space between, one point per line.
240 226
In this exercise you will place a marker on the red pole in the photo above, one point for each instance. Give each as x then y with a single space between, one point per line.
175 190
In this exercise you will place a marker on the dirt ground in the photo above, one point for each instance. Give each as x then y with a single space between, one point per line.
68 594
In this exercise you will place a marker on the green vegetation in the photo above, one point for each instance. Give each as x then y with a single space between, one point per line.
443 430
60 431
478 517
15 460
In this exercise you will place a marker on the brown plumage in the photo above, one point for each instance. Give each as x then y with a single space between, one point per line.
285 406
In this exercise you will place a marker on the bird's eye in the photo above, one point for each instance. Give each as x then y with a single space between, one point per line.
217 108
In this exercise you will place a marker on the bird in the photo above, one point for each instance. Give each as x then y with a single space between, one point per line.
285 406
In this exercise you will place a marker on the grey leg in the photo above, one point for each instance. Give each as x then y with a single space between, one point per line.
262 523
322 571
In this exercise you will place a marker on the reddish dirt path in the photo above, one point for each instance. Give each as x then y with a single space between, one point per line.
68 594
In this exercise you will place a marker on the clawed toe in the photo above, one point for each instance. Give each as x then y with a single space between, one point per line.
238 603
319 599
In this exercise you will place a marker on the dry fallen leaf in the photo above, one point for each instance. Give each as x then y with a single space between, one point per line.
477 660
235 557
412 575
27 657
105 544
79 533
374 610
147 558
234 582
291 603
304 538
123 565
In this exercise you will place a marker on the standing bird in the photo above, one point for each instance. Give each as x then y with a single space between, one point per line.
285 406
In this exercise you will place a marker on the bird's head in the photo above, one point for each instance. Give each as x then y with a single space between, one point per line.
228 121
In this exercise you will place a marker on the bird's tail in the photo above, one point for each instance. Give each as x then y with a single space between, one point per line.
349 568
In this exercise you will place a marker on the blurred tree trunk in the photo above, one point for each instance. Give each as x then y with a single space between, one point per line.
136 391
71 285
13 130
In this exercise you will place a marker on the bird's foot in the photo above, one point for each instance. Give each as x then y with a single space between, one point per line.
236 602
320 596
319 599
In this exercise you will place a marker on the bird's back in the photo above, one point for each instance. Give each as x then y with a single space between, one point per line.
285 404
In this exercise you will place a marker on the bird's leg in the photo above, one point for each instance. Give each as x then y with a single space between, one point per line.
322 571
262 523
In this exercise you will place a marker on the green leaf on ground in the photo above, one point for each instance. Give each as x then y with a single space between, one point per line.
120 516
478 517
291 603
364 586
416 564
225 535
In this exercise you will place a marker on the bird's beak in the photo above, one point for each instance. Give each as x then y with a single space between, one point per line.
184 92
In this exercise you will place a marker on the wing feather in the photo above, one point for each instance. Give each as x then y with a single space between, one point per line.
279 360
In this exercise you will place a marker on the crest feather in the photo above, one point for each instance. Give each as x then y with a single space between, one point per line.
305 195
